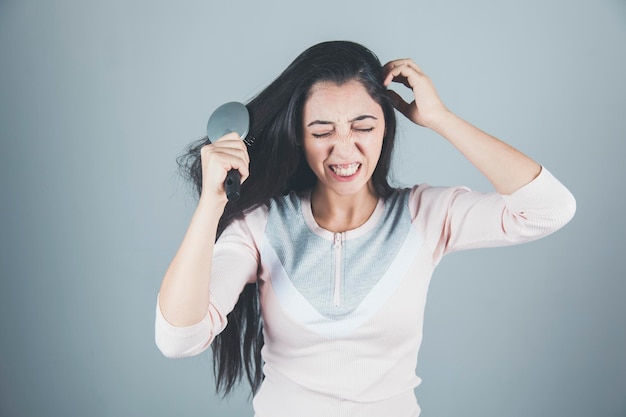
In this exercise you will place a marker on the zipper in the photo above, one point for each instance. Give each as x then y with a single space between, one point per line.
337 245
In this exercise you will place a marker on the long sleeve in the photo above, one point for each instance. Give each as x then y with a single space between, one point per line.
181 342
235 264
458 219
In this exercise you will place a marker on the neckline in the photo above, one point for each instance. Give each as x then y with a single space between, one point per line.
369 224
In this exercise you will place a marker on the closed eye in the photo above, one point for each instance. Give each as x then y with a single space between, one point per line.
321 135
328 134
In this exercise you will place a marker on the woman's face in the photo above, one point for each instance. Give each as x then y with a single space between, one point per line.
343 131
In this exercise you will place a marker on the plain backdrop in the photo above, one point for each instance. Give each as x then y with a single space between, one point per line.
97 99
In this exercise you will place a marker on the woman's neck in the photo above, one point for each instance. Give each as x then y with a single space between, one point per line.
340 213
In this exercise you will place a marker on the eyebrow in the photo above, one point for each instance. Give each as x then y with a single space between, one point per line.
356 119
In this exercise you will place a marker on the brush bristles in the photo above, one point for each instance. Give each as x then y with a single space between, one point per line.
249 141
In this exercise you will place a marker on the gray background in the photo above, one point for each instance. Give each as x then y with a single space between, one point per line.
98 98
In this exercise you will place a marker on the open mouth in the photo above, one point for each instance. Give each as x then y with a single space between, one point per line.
345 170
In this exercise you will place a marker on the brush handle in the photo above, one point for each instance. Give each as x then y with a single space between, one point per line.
232 185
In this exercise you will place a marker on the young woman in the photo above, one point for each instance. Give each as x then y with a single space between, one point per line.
314 283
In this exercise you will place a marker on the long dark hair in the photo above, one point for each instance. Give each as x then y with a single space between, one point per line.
277 167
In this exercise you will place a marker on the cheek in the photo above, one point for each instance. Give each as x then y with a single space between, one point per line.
374 147
313 152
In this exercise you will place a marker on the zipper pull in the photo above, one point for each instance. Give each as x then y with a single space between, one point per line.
338 240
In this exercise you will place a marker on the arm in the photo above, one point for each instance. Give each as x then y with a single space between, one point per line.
504 166
184 293
456 218
235 263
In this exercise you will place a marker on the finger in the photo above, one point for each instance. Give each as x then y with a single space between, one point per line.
395 75
397 63
216 170
400 66
402 74
229 156
387 68
227 150
237 163
229 144
231 136
233 144
407 62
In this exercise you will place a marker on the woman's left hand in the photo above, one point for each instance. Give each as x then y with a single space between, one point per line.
427 107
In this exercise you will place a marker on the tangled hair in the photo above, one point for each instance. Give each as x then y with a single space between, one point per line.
278 167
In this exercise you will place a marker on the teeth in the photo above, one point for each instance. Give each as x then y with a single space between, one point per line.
345 170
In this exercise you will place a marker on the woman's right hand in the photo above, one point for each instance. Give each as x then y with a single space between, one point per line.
219 157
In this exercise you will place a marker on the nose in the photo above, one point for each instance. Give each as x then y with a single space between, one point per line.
344 144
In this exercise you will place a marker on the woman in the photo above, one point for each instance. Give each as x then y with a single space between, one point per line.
337 261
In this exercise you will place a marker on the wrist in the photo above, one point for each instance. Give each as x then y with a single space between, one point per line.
440 120
212 203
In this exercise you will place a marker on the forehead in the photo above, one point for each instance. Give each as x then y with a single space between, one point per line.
335 102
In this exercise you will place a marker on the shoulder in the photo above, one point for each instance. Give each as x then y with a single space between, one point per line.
288 207
421 193
256 218
429 192
424 198
291 201
248 226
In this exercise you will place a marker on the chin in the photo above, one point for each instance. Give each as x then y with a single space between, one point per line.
350 189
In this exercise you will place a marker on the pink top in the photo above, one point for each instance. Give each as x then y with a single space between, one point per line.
342 312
